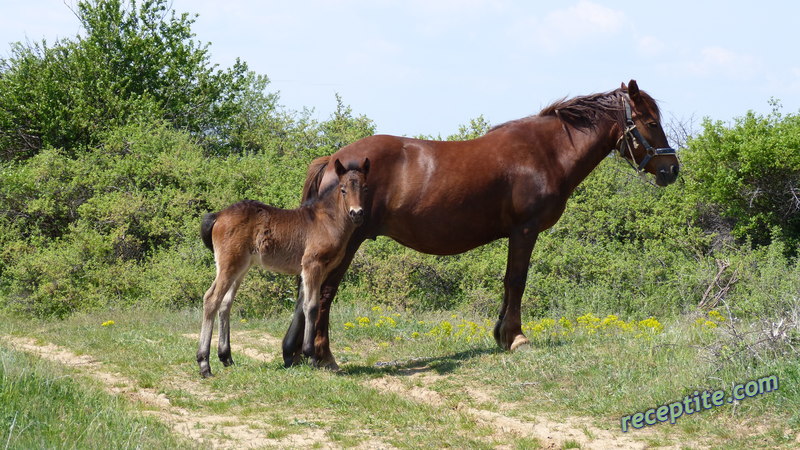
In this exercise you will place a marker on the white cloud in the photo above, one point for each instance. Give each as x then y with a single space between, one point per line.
719 61
565 28
650 46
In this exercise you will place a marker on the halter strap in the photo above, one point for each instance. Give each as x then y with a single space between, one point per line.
632 133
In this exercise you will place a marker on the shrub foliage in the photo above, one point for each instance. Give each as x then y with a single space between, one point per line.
115 142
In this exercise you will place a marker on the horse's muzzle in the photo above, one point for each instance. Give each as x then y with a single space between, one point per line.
667 176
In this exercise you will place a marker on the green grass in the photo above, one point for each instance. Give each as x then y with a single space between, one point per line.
601 375
44 406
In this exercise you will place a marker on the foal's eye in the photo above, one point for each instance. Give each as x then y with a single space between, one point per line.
344 191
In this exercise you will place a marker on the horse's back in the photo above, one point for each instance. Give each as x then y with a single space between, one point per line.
434 196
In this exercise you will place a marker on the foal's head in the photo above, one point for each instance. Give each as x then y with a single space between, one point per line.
353 186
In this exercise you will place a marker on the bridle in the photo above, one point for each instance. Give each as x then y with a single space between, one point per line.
631 136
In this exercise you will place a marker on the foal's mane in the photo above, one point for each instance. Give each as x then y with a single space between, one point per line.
588 111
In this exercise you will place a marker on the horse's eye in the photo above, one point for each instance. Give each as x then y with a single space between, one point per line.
344 191
366 189
652 124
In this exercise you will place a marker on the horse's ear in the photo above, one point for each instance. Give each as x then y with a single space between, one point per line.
633 90
340 170
623 87
366 166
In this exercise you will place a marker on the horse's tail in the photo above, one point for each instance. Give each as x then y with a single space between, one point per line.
314 177
205 229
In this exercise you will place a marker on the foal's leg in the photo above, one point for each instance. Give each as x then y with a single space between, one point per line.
206 329
224 349
311 279
508 330
222 289
322 351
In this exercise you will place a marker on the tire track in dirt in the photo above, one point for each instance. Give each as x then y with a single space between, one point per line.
213 430
551 434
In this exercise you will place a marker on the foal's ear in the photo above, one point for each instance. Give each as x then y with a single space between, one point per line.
622 87
340 170
365 167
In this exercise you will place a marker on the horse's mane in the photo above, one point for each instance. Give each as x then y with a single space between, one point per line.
588 111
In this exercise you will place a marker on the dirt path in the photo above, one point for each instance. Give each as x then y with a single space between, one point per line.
551 434
221 431
213 430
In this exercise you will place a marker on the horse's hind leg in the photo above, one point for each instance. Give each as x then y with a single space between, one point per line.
508 330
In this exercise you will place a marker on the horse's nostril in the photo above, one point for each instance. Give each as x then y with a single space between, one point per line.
675 170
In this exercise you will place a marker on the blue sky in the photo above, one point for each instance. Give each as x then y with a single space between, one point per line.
427 66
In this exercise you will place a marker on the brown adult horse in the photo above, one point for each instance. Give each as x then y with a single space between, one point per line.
308 241
446 198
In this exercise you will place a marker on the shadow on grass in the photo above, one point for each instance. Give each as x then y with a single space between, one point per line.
440 364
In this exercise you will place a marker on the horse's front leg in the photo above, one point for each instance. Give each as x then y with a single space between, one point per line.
293 340
508 330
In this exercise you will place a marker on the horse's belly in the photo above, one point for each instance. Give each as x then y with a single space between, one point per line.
442 237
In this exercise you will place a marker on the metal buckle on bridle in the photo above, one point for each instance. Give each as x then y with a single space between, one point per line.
633 135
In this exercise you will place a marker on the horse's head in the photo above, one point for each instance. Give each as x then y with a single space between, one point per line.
643 141
353 185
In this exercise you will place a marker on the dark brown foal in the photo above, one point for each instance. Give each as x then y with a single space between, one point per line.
308 241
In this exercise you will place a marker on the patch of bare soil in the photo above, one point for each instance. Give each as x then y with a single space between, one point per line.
416 393
550 434
252 344
215 431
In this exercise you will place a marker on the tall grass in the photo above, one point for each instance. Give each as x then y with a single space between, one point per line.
46 406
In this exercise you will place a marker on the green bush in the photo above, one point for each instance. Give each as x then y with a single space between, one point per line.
749 174
105 174
133 62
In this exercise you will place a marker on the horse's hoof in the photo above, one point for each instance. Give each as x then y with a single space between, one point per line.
206 373
519 341
227 362
293 360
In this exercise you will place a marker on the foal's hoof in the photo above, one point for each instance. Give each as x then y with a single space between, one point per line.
519 341
327 364
206 373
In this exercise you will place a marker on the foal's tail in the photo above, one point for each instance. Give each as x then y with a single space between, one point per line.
314 177
205 229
